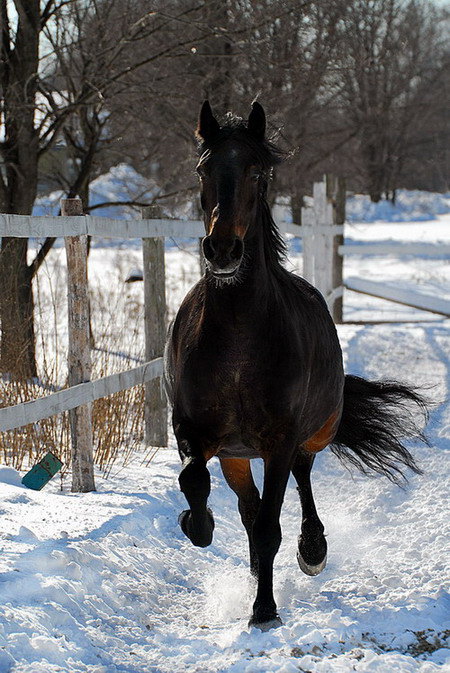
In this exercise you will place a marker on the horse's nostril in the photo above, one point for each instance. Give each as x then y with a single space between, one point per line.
223 252
208 248
237 250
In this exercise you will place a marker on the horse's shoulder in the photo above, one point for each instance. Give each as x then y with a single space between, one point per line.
301 288
190 305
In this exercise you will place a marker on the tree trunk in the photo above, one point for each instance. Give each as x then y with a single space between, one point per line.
19 155
17 354
297 203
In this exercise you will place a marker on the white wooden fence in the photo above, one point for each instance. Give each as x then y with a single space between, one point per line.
322 255
82 392
323 252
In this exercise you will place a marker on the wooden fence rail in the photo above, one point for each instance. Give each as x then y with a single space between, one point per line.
28 226
399 249
406 297
25 413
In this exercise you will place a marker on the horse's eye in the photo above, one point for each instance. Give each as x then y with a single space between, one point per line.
255 176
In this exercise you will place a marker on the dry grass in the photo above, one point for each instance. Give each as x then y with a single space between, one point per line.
24 446
117 322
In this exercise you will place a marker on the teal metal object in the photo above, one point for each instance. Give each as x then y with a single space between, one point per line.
42 472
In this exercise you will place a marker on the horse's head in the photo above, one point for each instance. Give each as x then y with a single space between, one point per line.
234 164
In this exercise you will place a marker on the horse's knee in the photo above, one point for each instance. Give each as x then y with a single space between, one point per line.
195 481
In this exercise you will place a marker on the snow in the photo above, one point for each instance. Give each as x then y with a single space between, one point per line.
409 206
120 183
106 582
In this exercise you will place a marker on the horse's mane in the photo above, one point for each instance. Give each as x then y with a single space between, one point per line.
275 248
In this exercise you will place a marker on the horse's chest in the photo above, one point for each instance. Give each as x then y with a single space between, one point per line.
223 374
232 393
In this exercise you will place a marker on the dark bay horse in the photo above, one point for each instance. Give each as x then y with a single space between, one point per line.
254 367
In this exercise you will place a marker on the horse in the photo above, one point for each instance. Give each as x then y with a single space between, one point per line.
253 367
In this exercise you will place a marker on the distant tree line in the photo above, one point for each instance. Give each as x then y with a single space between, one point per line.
357 87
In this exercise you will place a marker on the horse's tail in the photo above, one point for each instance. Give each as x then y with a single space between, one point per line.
376 416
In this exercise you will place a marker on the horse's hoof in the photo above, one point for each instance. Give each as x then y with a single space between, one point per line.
311 570
267 624
199 539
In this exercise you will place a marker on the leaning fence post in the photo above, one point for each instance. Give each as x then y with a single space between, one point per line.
155 410
79 356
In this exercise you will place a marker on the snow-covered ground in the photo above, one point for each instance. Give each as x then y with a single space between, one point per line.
106 582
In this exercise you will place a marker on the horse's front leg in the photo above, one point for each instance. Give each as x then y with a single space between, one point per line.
197 522
267 538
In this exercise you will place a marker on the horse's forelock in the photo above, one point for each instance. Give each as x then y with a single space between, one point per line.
236 129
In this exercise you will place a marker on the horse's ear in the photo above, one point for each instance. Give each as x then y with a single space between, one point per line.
208 126
257 121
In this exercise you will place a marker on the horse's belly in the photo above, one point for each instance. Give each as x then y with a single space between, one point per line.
237 450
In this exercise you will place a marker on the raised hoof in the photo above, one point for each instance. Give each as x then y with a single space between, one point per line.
202 538
311 570
267 624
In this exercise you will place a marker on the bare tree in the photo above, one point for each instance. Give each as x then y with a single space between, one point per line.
91 48
387 60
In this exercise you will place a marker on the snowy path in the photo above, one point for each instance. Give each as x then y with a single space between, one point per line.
106 583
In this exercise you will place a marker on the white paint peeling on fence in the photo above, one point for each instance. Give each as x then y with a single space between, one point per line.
407 297
27 226
70 398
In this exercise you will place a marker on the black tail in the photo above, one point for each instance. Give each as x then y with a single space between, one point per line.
376 416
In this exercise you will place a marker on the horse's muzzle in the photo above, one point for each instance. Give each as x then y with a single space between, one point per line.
223 255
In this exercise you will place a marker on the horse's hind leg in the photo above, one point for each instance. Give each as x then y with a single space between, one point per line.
312 546
238 475
197 523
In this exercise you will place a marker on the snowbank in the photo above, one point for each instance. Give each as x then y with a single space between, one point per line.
409 206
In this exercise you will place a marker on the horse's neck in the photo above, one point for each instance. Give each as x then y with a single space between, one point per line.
251 290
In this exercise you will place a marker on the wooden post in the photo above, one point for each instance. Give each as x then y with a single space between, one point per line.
336 191
79 357
322 264
155 331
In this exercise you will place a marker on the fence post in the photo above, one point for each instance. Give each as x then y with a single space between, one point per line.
308 221
336 191
79 356
322 264
155 410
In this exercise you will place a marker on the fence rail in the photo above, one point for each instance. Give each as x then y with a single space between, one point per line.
25 413
437 250
28 226
406 297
